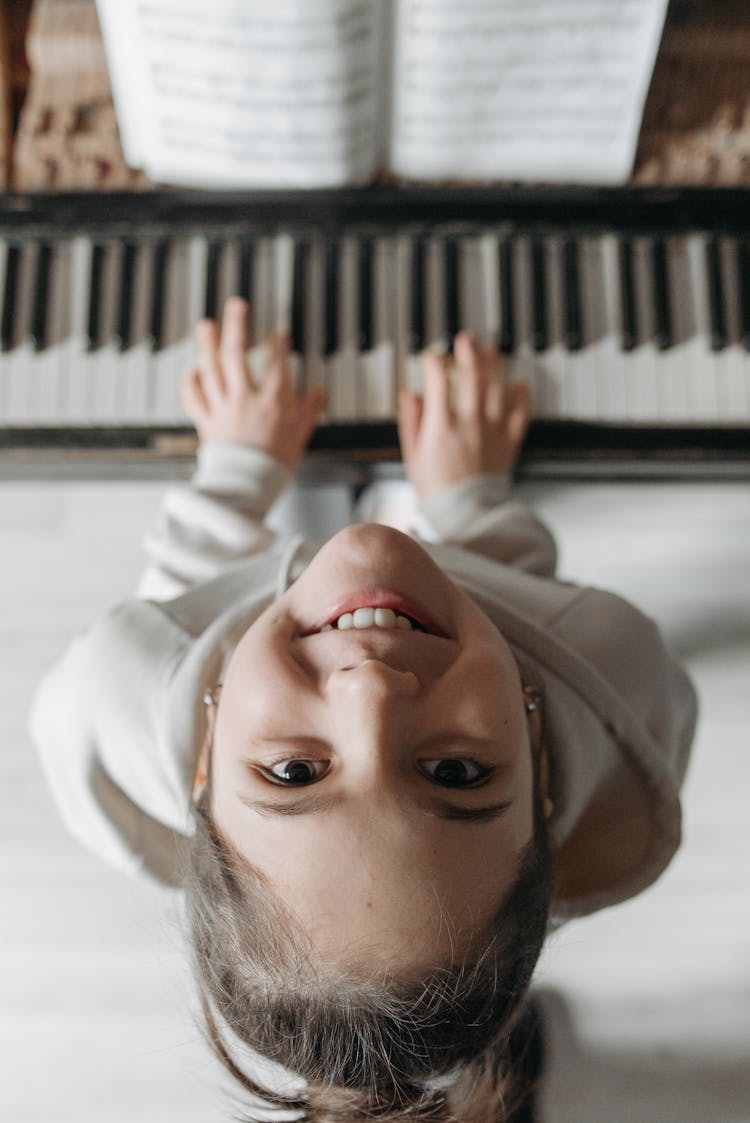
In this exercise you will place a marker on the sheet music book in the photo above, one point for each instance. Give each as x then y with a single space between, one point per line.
328 93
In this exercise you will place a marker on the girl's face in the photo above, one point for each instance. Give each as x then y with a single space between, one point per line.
381 779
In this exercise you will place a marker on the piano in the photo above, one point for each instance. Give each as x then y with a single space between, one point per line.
627 310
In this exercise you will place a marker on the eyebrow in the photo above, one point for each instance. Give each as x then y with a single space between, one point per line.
440 808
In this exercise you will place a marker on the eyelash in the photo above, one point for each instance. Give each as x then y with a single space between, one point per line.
482 773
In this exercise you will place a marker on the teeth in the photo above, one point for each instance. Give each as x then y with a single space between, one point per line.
369 617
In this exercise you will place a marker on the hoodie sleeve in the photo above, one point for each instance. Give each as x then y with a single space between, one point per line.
476 514
92 721
213 521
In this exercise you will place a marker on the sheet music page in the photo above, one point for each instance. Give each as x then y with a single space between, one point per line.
521 89
246 93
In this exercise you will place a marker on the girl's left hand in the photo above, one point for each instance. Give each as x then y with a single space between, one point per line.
225 403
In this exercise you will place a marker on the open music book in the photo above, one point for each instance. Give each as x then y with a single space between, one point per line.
240 94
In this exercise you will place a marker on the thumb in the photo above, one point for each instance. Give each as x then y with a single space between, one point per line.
518 415
310 406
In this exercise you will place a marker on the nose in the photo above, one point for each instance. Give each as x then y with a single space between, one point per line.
371 705
373 682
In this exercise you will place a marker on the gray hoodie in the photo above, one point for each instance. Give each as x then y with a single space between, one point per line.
119 720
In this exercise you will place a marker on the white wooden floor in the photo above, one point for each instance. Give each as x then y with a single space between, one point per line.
648 1004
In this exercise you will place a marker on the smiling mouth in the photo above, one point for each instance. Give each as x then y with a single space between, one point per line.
376 610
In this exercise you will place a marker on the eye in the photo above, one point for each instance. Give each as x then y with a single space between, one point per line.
455 773
296 772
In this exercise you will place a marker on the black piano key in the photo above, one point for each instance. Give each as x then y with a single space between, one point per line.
417 340
158 282
539 336
40 299
94 315
299 293
246 265
662 308
716 304
743 268
211 291
452 292
627 296
573 302
331 290
123 329
506 335
366 287
10 285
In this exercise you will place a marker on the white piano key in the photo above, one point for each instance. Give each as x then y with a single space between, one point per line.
263 305
377 368
283 270
733 363
640 363
602 350
345 398
523 364
23 406
410 374
279 309
177 355
688 365
48 373
108 388
554 359
584 374
77 404
471 290
136 362
434 278
673 364
315 366
483 291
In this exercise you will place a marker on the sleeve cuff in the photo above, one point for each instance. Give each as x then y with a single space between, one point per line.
234 469
455 508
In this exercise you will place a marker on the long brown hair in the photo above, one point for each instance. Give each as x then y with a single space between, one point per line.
372 1049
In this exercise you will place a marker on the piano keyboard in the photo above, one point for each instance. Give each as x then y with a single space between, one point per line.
615 322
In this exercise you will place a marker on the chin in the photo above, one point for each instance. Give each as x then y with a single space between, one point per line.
372 535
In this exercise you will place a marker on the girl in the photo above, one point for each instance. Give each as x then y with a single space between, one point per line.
379 766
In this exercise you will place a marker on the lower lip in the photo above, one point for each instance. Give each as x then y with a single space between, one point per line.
378 598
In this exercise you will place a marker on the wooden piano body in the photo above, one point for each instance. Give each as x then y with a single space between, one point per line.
627 311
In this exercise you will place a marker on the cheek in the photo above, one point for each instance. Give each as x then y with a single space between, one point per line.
260 685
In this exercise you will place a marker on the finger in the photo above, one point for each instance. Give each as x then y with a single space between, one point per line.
409 421
436 409
193 396
519 414
277 382
234 343
494 383
207 336
469 392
